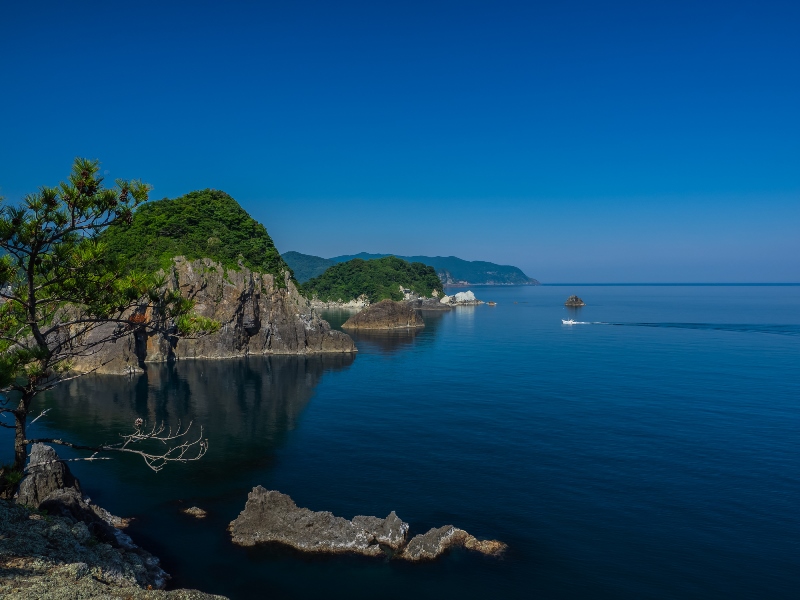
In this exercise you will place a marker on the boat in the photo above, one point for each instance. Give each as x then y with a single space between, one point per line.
569 322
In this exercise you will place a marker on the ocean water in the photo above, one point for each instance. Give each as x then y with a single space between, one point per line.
652 451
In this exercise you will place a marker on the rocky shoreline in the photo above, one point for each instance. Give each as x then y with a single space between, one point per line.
54 543
272 517
256 315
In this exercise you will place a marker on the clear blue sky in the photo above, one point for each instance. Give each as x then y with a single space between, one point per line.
581 141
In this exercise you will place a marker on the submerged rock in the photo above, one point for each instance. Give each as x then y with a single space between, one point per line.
386 314
574 301
270 516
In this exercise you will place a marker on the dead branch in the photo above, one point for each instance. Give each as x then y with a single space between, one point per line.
188 450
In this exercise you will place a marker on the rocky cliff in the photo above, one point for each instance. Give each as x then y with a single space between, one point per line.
256 316
386 314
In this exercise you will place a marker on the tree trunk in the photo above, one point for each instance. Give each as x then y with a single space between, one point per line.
20 433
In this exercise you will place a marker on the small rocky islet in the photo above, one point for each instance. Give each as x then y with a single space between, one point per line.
272 517
574 301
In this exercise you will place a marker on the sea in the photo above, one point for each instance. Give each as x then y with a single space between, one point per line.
649 451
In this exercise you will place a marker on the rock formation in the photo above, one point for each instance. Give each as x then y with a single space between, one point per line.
574 301
386 314
256 317
461 299
272 517
51 488
53 557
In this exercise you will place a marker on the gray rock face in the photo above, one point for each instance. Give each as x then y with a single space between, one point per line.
256 317
386 314
427 546
51 557
270 516
574 301
46 474
51 487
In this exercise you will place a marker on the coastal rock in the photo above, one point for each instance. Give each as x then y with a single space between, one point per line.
270 516
46 474
434 543
429 304
461 299
256 317
52 557
51 488
574 301
386 314
194 511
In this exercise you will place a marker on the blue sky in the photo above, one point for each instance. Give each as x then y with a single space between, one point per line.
581 141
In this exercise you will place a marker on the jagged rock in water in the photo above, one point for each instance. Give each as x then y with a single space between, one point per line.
196 512
270 516
46 474
386 314
574 301
437 541
256 316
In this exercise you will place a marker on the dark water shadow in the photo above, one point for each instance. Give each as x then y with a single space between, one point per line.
246 407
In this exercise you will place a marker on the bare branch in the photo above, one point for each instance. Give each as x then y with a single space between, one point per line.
186 451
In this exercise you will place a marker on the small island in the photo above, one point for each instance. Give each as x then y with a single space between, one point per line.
574 301
386 314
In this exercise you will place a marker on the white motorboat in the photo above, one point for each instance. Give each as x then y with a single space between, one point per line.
569 322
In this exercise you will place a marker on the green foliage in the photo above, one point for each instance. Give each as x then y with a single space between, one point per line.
305 266
59 283
452 269
379 279
201 224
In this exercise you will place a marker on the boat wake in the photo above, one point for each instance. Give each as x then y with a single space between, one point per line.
791 330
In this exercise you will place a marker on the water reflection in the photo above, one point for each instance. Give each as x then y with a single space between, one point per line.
387 341
246 406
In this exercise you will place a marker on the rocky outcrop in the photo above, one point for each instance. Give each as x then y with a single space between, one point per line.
461 299
437 541
272 517
386 314
53 557
46 474
256 317
574 301
78 533
428 304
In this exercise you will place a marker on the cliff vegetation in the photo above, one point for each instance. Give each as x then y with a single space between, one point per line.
201 224
377 279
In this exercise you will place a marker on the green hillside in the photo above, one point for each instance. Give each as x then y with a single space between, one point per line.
454 270
379 279
201 224
306 266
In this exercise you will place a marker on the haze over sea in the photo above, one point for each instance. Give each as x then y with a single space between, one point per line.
657 457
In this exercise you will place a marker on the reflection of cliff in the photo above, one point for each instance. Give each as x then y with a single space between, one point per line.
391 341
245 406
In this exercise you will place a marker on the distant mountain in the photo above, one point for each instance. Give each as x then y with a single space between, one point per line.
306 266
456 271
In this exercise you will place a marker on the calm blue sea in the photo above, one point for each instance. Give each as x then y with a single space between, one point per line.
652 452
